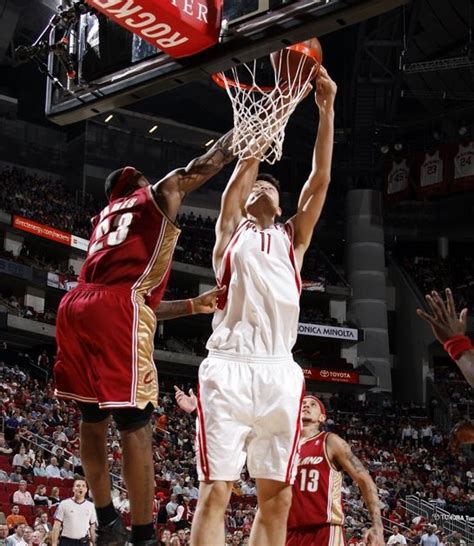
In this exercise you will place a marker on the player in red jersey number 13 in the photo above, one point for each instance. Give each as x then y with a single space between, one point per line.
316 516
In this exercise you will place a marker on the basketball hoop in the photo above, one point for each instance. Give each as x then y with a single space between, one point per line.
262 109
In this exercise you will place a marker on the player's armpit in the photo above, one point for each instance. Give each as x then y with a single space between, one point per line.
171 190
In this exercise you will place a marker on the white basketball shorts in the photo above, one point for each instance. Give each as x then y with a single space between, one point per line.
248 411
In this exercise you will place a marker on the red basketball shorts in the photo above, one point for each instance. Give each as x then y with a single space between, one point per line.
104 341
320 535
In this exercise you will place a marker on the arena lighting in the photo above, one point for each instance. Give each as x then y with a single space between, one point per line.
462 130
384 149
398 146
153 129
209 142
108 118
436 135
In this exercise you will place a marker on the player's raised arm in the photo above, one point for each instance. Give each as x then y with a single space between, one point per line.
173 188
313 194
233 202
341 453
450 330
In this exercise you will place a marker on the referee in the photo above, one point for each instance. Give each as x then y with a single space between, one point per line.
75 519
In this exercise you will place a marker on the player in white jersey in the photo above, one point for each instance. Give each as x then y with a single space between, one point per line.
250 388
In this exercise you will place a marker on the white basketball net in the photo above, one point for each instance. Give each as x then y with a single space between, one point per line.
261 113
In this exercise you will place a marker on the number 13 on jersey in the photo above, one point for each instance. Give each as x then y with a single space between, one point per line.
309 480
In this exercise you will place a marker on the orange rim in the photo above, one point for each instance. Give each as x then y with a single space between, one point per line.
223 81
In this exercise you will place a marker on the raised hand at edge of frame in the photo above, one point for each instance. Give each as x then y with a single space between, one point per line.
443 318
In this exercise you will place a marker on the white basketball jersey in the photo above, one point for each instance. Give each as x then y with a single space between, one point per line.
259 313
464 161
398 177
431 171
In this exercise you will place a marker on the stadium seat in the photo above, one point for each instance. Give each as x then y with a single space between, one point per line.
5 497
6 467
26 511
37 480
11 487
55 482
65 492
5 459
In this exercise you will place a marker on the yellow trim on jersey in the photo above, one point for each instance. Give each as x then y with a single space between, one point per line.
337 515
336 536
328 459
146 389
162 262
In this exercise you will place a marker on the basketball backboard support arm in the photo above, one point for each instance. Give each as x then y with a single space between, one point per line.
246 38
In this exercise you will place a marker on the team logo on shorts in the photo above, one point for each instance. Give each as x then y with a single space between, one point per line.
148 378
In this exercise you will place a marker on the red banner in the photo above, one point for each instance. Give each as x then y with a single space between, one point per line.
177 27
333 376
41 230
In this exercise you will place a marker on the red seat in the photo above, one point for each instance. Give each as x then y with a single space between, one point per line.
5 497
55 482
65 492
6 467
5 459
11 487
37 480
26 511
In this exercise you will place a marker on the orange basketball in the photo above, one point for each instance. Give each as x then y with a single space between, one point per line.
298 63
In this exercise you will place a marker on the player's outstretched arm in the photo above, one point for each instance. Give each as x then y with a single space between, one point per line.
205 303
341 454
233 204
313 194
450 330
173 188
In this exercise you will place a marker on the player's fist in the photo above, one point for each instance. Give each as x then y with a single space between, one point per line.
185 402
207 303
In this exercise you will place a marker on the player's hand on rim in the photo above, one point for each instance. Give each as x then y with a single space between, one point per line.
443 318
326 89
185 402
207 302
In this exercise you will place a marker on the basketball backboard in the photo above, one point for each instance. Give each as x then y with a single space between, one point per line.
251 29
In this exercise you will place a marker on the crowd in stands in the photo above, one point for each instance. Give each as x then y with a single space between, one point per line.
11 304
436 273
45 200
29 257
454 388
405 453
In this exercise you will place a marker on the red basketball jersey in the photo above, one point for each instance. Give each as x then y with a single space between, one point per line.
317 498
132 246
